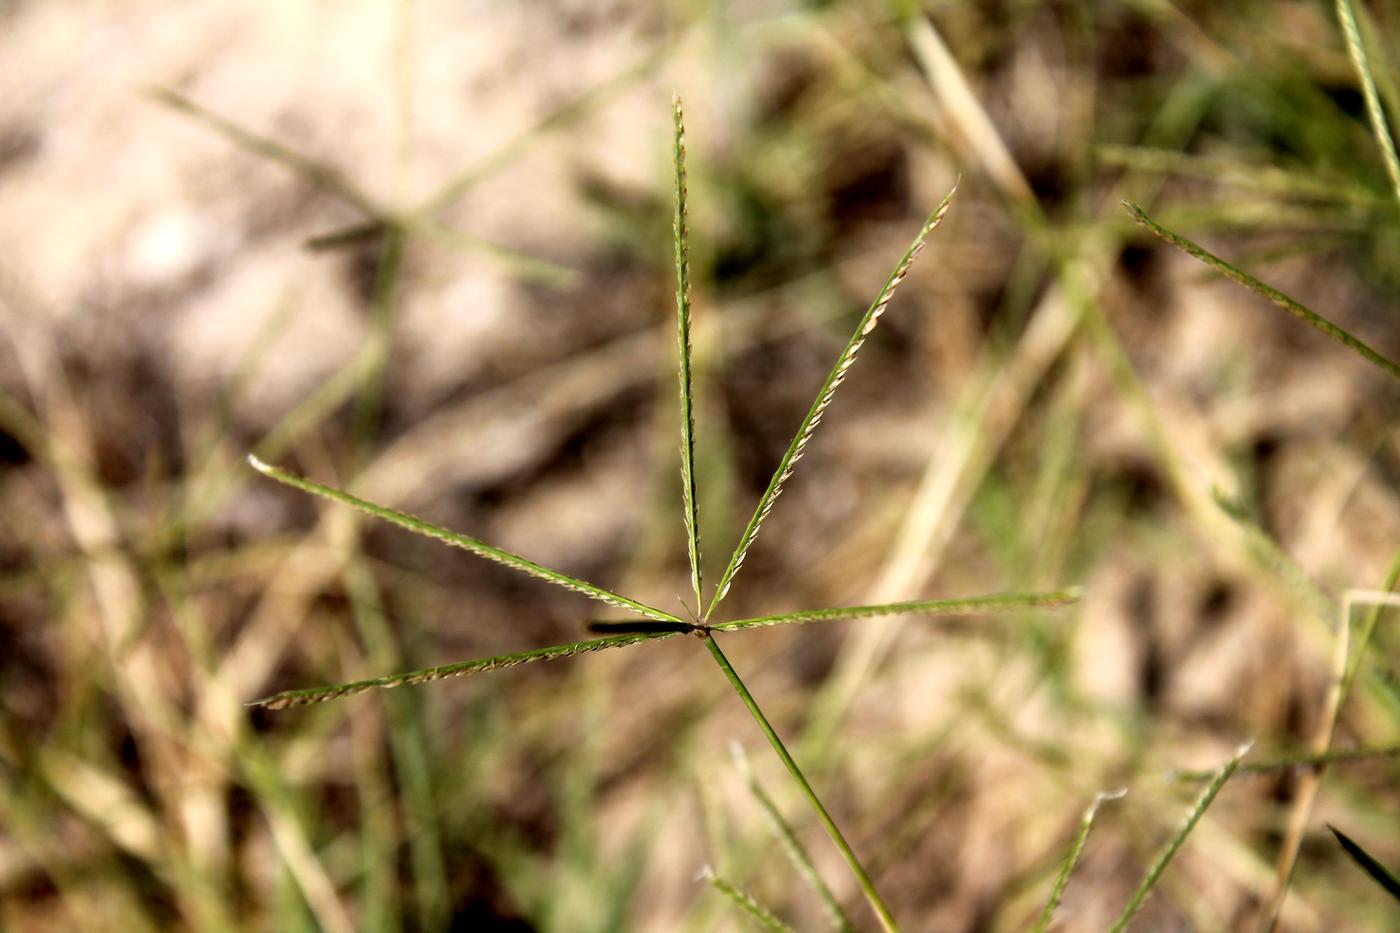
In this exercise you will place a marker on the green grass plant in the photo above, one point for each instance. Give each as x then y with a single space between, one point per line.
659 623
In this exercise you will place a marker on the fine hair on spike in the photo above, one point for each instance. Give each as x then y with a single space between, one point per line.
689 498
827 392
465 542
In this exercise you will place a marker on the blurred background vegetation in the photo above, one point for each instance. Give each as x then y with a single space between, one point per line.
421 249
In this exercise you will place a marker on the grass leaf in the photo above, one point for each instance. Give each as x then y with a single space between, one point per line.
813 417
1368 863
1357 49
1072 858
1272 294
1008 602
289 698
1154 874
745 902
465 542
691 501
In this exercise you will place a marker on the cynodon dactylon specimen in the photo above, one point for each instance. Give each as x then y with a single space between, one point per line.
651 623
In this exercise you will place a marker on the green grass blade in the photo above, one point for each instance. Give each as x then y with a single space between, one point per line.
289 698
456 539
745 902
690 500
877 903
1357 49
1168 852
813 418
1008 602
796 853
1072 858
1368 863
1254 285
326 177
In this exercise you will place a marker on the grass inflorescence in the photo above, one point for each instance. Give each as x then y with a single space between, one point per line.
663 624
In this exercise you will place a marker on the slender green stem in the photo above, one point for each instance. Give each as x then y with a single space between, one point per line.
862 877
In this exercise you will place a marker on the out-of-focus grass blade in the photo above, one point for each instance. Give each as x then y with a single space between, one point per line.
796 853
690 500
456 539
1249 176
1072 858
1304 760
1272 294
828 391
1154 874
571 110
1357 49
1368 863
323 176
745 902
288 698
1007 602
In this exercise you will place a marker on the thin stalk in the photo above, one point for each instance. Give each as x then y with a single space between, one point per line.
877 903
